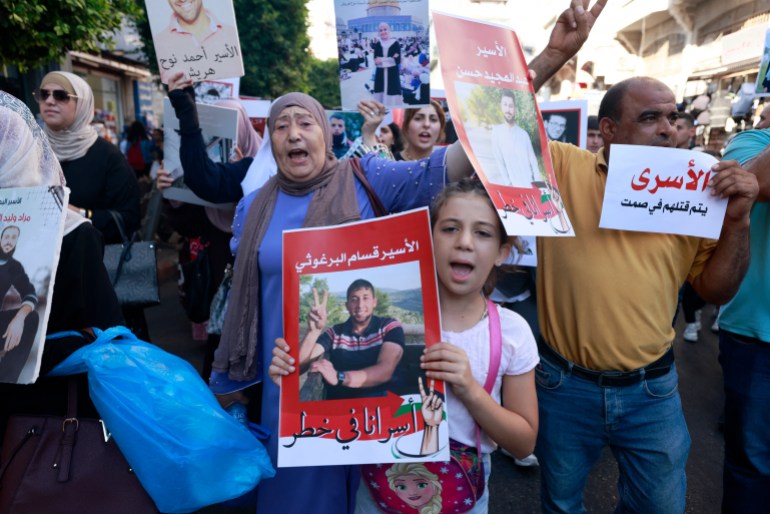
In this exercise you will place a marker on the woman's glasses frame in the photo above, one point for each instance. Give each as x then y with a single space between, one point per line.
60 95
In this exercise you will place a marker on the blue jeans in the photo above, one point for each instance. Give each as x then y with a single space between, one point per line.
746 478
643 424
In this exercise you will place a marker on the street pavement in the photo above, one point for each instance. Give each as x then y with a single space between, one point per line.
514 489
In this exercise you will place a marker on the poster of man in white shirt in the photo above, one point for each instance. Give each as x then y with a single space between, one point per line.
512 147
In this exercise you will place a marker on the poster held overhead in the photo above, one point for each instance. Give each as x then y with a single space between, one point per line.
499 125
384 52
198 37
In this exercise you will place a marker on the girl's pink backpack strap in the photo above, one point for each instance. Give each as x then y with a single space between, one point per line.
495 345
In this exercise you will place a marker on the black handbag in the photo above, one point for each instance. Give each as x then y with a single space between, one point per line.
133 269
66 465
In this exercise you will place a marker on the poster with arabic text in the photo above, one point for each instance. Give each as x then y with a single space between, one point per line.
499 124
665 190
198 37
31 229
360 304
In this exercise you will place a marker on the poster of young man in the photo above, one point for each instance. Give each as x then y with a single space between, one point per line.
31 228
346 127
566 121
384 52
198 37
361 304
499 125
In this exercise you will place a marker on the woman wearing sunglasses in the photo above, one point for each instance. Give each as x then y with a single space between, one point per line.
97 174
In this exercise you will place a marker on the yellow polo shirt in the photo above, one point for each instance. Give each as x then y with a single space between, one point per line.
606 298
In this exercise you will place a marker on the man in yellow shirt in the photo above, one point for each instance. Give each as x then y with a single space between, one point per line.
605 302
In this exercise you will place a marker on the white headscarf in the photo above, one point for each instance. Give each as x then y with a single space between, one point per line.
74 141
26 158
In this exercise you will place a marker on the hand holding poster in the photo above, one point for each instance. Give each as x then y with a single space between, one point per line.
195 36
359 297
497 120
31 227
651 189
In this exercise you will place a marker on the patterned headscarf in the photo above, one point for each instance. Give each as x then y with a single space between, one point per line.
26 158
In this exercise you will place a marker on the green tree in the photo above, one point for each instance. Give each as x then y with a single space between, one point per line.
324 83
36 32
274 44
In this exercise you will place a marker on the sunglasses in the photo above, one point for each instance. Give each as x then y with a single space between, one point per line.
60 95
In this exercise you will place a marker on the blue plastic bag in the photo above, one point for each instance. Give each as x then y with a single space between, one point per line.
185 449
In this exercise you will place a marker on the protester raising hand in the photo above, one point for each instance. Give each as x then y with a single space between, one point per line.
373 113
569 33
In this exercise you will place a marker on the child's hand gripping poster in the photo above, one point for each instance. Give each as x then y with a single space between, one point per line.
31 227
360 304
499 124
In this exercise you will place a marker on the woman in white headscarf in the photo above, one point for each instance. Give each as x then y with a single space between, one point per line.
82 296
98 175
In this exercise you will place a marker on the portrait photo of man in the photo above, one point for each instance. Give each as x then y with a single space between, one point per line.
340 140
18 326
512 147
195 40
555 127
358 358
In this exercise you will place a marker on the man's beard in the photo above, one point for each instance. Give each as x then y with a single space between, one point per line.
6 256
510 120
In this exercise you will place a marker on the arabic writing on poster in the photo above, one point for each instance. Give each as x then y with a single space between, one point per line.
493 77
670 185
323 262
14 218
364 425
198 73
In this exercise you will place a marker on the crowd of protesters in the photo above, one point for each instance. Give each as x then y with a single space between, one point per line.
586 374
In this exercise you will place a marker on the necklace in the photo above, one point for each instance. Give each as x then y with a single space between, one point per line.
407 157
485 311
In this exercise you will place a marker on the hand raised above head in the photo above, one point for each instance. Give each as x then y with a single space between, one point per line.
573 26
179 80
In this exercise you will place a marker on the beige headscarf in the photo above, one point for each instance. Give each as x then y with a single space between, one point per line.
334 202
26 158
74 141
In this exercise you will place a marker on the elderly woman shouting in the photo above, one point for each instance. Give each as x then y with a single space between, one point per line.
312 188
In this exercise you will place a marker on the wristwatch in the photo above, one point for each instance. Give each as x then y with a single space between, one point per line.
340 377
